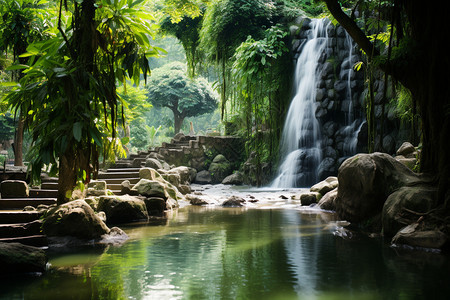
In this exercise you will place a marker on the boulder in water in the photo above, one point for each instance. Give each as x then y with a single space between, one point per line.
123 209
19 258
327 202
233 201
366 181
236 178
397 209
75 219
413 235
323 187
307 199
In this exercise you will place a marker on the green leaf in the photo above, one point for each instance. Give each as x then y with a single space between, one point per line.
77 130
17 67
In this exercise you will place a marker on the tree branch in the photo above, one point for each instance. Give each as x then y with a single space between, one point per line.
352 28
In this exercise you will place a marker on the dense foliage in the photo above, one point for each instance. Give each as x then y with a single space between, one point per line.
69 88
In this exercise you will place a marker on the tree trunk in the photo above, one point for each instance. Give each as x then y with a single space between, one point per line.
18 142
178 122
67 176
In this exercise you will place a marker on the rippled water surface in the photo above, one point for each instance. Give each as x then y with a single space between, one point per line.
271 251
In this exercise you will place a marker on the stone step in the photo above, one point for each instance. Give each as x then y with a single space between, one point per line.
123 164
18 216
19 203
34 240
110 181
48 179
49 185
123 170
43 193
115 175
20 229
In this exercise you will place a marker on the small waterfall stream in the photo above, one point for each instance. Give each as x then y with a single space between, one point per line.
302 145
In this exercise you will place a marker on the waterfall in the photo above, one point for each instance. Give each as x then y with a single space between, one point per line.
352 125
300 143
326 87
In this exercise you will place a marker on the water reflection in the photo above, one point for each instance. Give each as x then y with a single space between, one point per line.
238 253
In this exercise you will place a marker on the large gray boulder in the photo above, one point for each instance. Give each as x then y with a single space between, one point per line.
203 177
219 168
327 202
76 219
123 209
150 188
236 178
366 181
19 258
415 236
405 205
323 187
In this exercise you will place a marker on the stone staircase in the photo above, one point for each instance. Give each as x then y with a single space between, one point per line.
17 225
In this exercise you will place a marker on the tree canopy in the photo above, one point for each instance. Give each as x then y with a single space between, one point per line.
169 86
69 88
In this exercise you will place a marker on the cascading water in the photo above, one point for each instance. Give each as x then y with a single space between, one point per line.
300 143
352 124
324 64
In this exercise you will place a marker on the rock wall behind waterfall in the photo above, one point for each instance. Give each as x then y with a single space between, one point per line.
340 101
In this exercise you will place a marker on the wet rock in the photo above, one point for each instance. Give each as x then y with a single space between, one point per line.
236 178
418 199
150 188
195 200
153 184
155 206
327 201
323 187
219 168
126 189
76 219
406 150
14 189
153 163
203 177
184 189
366 181
307 199
412 236
123 209
19 258
96 188
234 201
185 174
116 236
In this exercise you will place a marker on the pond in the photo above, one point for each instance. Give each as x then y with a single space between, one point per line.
268 251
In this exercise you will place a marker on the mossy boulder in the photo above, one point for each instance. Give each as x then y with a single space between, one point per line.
76 219
219 168
123 209
19 258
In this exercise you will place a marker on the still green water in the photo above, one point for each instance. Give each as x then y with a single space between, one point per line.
236 253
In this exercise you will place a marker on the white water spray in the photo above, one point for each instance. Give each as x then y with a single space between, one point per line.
300 142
